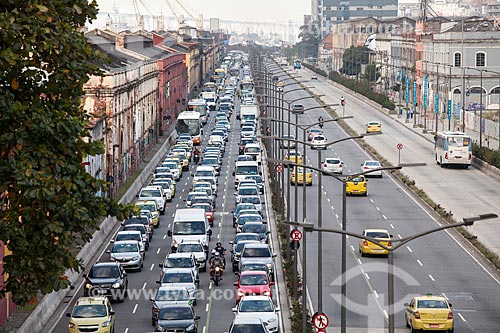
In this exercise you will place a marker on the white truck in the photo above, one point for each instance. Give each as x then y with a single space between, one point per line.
249 112
210 99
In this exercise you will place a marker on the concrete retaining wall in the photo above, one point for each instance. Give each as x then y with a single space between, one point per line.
50 302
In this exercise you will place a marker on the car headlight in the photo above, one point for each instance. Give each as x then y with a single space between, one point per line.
106 323
71 325
116 285
270 266
241 293
89 286
161 329
190 327
267 293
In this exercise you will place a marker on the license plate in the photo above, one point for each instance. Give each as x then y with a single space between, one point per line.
458 156
378 251
433 325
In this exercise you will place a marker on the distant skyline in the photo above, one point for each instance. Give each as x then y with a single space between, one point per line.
254 10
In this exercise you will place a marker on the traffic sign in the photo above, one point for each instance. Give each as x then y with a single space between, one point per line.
399 146
279 168
320 321
342 101
296 235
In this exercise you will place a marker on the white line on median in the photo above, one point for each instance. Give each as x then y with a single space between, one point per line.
375 293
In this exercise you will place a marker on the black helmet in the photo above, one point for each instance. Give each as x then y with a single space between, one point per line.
218 244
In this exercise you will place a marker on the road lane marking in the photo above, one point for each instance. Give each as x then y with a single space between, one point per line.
206 308
164 236
375 293
461 317
352 248
359 261
152 266
385 218
386 315
377 208
158 252
144 285
400 236
126 330
135 308
391 226
367 277
409 249
204 329
371 200
432 278
419 262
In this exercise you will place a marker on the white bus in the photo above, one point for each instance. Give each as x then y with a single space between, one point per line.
453 148
199 106
188 122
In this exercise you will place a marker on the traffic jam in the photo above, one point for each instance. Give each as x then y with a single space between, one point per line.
201 225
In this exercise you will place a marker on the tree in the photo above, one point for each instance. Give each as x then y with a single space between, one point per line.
372 73
308 46
49 203
353 58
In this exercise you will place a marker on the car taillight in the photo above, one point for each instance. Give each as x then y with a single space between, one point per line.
416 314
389 243
341 164
470 156
364 184
365 168
446 156
365 243
450 315
325 165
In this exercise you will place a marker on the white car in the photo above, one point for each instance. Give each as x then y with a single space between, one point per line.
314 77
369 165
333 164
261 307
318 142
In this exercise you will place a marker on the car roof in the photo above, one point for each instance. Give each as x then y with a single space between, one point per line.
256 297
91 300
257 245
180 255
178 270
108 263
246 320
253 273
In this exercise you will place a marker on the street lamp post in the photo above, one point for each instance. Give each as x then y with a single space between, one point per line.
309 227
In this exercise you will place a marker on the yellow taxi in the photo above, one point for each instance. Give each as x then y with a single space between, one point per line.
177 160
294 156
374 127
381 235
183 158
152 206
92 314
172 184
298 176
429 313
356 185
280 85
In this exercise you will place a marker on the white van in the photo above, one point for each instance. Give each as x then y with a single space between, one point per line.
253 149
243 169
190 224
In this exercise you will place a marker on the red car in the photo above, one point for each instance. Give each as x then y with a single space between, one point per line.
253 283
209 212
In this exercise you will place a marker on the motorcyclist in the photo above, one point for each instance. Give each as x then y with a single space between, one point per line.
222 251
320 120
196 154
216 260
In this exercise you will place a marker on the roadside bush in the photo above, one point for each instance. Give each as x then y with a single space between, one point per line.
488 155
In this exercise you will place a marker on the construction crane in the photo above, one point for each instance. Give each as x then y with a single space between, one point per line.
180 18
425 9
199 21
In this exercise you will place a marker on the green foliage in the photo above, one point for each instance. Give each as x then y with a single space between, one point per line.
49 201
353 58
371 73
309 42
364 89
488 155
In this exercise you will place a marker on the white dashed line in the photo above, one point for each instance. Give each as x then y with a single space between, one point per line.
432 278
385 218
352 248
371 200
204 329
385 314
400 236
391 226
461 317
367 276
144 285
152 266
375 293
177 205
359 261
419 262
164 236
409 249
378 208
126 330
337 216
158 252
135 308
206 308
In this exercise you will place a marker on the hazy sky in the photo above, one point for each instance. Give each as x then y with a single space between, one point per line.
243 10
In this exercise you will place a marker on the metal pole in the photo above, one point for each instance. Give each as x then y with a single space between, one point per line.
304 243
320 238
481 110
390 290
462 59
437 92
343 307
450 95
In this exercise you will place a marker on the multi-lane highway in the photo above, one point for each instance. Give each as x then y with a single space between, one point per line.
214 304
437 264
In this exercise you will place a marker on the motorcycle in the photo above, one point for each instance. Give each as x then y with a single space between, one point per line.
216 271
196 159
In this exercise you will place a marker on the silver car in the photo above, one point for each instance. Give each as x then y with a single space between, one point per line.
127 253
258 252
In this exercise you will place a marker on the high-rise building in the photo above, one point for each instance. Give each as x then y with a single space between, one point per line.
325 12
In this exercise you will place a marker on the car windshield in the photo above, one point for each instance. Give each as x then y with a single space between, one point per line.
201 200
247 170
204 173
372 163
210 161
253 267
332 161
123 248
169 313
104 272
170 165
432 304
242 237
89 311
150 193
253 280
191 196
377 234
248 191
249 218
206 208
151 207
178 263
137 220
257 252
248 328
172 295
357 179
189 228
244 206
187 248
256 306
258 179
126 236
177 278
256 228
249 199
373 123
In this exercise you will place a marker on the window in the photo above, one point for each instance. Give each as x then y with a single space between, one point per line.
359 8
480 59
457 59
